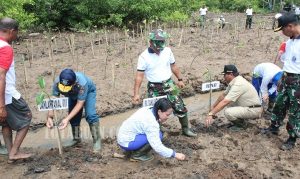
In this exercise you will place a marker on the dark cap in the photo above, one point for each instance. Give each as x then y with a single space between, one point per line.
229 69
67 78
285 20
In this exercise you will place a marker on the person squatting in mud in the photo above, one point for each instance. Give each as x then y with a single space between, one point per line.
288 98
265 78
81 92
240 97
14 111
158 63
141 132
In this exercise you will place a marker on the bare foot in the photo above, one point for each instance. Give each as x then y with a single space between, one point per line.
19 155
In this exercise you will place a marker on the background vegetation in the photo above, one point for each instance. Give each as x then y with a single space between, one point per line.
87 14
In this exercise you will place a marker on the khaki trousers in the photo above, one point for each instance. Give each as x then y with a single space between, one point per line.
238 112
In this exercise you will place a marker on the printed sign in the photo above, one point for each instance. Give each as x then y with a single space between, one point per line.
212 85
54 104
151 101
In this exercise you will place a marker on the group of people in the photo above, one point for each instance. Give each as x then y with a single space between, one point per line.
141 132
221 20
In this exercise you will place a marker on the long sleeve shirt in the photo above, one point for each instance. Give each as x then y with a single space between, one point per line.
143 122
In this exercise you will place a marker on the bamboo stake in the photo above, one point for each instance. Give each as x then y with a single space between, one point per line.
58 134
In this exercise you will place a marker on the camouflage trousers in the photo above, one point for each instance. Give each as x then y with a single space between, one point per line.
170 89
288 99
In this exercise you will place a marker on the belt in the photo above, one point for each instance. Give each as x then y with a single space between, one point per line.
160 82
255 106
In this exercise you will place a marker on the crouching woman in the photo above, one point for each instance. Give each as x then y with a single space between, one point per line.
141 132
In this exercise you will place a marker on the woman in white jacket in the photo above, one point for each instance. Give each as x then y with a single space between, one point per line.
141 132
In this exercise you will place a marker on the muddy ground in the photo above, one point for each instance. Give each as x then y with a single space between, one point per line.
109 58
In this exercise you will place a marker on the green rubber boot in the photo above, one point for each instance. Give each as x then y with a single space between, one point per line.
95 131
142 154
3 150
185 127
76 137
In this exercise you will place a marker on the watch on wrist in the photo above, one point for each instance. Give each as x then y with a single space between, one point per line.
210 114
179 79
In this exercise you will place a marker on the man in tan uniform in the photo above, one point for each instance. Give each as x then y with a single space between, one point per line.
240 97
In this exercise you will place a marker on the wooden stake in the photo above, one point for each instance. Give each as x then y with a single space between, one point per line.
58 134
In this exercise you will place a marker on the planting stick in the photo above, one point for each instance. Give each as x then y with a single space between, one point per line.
58 134
25 70
180 37
92 46
210 91
31 59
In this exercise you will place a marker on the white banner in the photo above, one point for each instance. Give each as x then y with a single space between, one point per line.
54 104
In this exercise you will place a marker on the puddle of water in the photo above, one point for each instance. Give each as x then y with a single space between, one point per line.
47 138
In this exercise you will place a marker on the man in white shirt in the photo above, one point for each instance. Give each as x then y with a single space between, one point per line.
265 79
203 10
297 12
249 13
288 98
158 63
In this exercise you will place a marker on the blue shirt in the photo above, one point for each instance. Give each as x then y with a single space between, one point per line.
85 85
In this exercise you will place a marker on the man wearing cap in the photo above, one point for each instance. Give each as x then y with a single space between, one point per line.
14 111
249 13
240 97
265 79
81 92
158 63
288 98
203 10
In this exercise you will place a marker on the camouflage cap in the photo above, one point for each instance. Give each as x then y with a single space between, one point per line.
158 34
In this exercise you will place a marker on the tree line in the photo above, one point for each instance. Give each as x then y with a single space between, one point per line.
87 14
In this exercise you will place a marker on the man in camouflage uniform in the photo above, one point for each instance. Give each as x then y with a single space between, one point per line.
288 98
157 63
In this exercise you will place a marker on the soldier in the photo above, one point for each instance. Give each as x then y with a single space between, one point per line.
81 92
289 91
158 63
249 13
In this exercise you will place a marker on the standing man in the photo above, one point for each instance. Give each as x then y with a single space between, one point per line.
81 92
203 10
240 97
265 80
14 111
288 98
249 13
158 63
297 12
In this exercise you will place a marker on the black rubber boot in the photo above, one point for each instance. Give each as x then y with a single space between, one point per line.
289 143
185 127
3 150
95 131
142 154
76 137
272 129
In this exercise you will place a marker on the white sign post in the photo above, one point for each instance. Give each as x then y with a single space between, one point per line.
151 101
55 104
210 86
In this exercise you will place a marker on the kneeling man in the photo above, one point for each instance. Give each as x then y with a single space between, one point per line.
240 97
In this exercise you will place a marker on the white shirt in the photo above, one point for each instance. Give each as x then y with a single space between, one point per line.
10 88
292 56
297 11
266 71
143 122
157 68
249 12
203 11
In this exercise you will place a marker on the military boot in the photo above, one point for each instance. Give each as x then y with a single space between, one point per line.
95 131
3 150
185 127
289 143
272 129
76 137
142 154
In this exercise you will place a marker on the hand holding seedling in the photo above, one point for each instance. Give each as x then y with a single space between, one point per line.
63 124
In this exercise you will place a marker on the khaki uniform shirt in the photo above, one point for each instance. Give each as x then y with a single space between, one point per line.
241 93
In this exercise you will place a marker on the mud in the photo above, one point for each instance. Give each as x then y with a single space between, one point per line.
109 58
